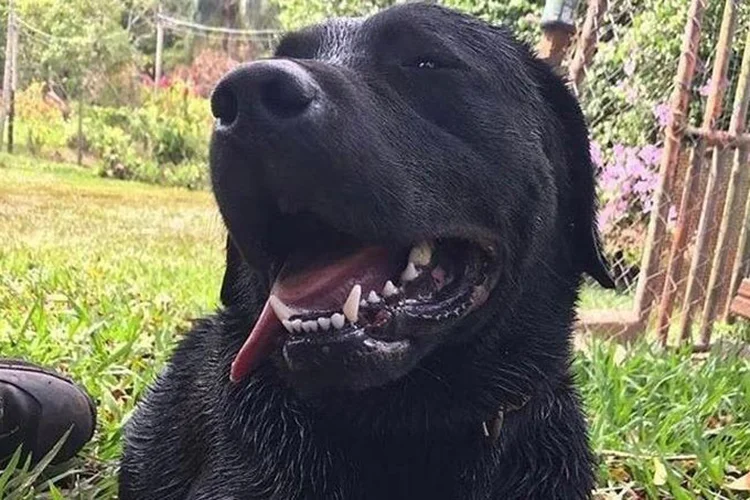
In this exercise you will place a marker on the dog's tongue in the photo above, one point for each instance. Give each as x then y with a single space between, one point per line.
318 285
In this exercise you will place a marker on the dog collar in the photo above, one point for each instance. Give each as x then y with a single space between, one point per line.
491 428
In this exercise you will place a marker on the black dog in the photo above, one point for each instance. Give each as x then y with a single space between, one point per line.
410 204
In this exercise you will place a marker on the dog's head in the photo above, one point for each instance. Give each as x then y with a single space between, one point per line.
392 186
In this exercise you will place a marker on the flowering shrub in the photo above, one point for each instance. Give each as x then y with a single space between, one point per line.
40 124
628 177
203 73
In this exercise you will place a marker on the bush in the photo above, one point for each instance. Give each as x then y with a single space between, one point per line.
162 141
39 122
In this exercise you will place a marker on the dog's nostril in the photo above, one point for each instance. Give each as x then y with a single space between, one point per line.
224 105
285 96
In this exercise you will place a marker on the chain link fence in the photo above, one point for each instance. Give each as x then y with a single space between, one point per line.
666 180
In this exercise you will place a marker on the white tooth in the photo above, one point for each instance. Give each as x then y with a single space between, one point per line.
421 255
337 320
287 324
373 298
363 303
310 326
389 290
281 310
351 306
297 325
410 273
325 323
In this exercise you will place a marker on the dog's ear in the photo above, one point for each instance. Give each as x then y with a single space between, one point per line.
582 201
240 282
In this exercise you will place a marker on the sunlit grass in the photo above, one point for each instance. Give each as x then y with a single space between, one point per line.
98 278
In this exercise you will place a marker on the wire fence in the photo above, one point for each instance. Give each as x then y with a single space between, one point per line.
665 93
679 258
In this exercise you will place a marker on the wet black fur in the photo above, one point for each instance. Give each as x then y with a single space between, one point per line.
490 144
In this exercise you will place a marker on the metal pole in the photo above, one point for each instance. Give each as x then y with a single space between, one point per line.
558 26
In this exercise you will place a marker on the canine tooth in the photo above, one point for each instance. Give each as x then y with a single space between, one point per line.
389 290
287 324
281 310
325 323
410 273
351 306
421 255
337 320
310 326
373 298
297 325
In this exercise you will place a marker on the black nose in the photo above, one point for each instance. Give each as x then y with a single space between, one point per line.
274 89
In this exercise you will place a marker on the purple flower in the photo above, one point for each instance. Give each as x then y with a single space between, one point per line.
595 151
650 154
705 90
662 113
629 66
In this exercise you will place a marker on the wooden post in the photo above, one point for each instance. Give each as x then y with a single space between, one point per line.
650 279
706 235
700 261
159 48
717 290
13 31
558 26
7 72
80 128
587 42
739 269
679 243
690 189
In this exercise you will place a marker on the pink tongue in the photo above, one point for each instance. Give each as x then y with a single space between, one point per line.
322 288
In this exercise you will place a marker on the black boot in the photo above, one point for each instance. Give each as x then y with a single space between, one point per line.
37 407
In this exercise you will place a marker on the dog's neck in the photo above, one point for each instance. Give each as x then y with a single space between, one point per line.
338 461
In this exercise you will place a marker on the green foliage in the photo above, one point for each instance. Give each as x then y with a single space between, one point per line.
164 140
688 414
636 62
39 124
295 14
521 15
99 278
87 40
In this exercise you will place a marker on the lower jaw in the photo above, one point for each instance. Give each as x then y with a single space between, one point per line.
362 357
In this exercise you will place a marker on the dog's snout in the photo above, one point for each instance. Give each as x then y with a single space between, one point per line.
274 89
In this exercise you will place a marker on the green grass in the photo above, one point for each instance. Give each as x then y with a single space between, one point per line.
594 297
99 278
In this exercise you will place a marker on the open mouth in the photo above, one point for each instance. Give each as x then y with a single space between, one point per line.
382 298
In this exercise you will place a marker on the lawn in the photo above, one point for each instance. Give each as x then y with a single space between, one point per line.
99 278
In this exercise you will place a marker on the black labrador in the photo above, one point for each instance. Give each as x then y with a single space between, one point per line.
410 203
